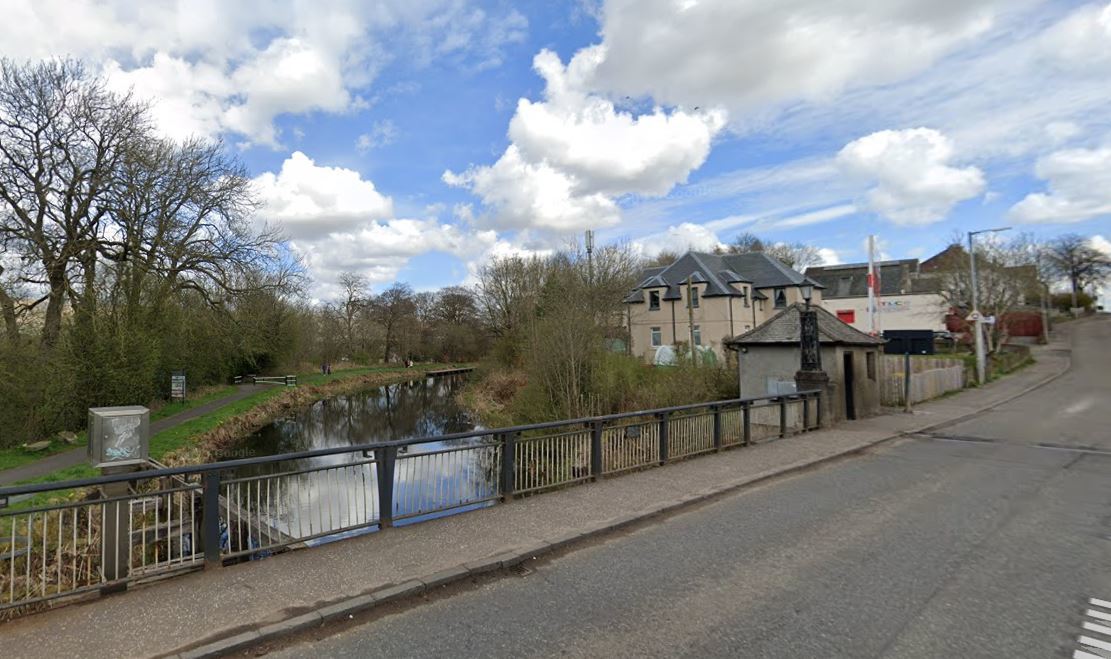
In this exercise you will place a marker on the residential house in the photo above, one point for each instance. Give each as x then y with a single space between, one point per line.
908 298
730 294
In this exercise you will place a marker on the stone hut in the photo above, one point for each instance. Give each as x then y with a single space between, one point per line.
769 358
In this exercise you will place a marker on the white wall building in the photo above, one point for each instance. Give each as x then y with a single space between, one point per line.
907 300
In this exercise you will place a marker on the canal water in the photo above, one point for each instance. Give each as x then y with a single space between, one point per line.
421 408
314 496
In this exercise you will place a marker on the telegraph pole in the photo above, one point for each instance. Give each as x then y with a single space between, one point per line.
590 257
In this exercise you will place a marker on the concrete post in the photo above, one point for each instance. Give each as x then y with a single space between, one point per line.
115 525
807 380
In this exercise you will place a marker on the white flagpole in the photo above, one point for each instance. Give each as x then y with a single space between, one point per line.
873 319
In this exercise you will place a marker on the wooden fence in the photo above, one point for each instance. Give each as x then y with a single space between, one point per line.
930 377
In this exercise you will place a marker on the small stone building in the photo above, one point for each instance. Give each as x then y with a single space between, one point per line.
769 357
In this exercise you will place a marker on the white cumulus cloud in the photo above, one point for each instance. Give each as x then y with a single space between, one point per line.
1082 39
912 178
603 149
211 67
534 195
829 256
338 221
748 54
574 152
311 200
1102 244
1079 182
678 238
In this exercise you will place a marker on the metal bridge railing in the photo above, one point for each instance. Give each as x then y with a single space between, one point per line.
99 534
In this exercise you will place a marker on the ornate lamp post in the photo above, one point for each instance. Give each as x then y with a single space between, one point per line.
808 333
810 375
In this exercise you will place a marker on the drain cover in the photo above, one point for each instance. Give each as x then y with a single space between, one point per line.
521 570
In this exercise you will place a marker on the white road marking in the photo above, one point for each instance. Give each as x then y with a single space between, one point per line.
1095 643
1093 627
1079 406
1090 647
1099 615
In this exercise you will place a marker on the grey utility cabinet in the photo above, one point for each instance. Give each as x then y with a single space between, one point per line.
118 436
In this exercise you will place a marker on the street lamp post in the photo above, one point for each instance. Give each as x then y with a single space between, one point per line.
809 346
978 318
810 376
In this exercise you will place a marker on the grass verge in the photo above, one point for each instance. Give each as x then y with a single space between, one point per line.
10 458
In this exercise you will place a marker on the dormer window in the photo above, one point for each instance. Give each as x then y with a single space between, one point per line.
744 295
694 298
780 298
653 300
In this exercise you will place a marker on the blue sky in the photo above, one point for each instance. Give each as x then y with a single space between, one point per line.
416 140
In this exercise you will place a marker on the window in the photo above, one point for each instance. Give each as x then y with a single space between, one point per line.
657 337
697 335
870 359
780 298
694 297
846 315
744 295
653 300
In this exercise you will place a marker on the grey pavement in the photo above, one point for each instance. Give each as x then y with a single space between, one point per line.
201 607
73 457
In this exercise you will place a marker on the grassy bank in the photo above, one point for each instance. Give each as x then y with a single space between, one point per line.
501 396
11 458
208 438
201 439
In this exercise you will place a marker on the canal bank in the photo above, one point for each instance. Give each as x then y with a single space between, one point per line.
224 420
299 591
224 433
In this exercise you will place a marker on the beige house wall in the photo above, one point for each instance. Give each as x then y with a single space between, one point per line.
897 312
712 317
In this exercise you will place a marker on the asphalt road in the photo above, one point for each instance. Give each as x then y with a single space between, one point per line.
987 545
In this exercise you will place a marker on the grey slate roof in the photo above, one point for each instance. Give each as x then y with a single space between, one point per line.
719 272
784 328
851 280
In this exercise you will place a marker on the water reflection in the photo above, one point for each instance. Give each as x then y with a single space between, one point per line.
326 495
398 411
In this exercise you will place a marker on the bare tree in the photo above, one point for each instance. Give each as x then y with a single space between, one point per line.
178 219
1072 257
795 255
1006 274
392 308
664 258
354 299
62 138
745 243
575 315
507 291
